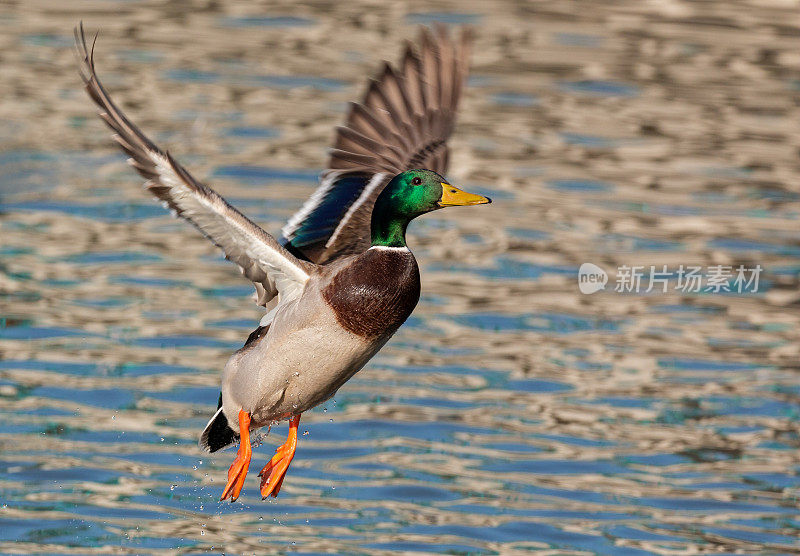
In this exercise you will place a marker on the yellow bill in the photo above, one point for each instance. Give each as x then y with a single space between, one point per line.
454 197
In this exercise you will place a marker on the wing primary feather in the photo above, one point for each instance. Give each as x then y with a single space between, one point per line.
446 67
391 94
357 160
392 154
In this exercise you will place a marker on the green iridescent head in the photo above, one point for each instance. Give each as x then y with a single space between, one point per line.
409 195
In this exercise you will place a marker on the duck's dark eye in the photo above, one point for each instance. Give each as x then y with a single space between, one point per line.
416 181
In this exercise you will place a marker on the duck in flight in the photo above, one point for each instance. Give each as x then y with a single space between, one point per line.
341 279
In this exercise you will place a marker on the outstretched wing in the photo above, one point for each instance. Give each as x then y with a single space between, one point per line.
262 259
403 122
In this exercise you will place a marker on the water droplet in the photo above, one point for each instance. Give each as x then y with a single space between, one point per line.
297 373
202 533
305 433
172 487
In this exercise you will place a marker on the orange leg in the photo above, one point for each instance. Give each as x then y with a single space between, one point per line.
241 464
273 473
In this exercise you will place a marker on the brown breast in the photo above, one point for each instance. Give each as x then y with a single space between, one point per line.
376 293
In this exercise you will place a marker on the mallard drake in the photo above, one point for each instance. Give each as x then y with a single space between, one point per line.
341 280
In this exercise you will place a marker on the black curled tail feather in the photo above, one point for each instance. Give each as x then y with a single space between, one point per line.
217 434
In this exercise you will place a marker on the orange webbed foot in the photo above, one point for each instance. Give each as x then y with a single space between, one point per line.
273 473
240 465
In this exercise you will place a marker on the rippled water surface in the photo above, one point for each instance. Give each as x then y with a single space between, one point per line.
511 413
